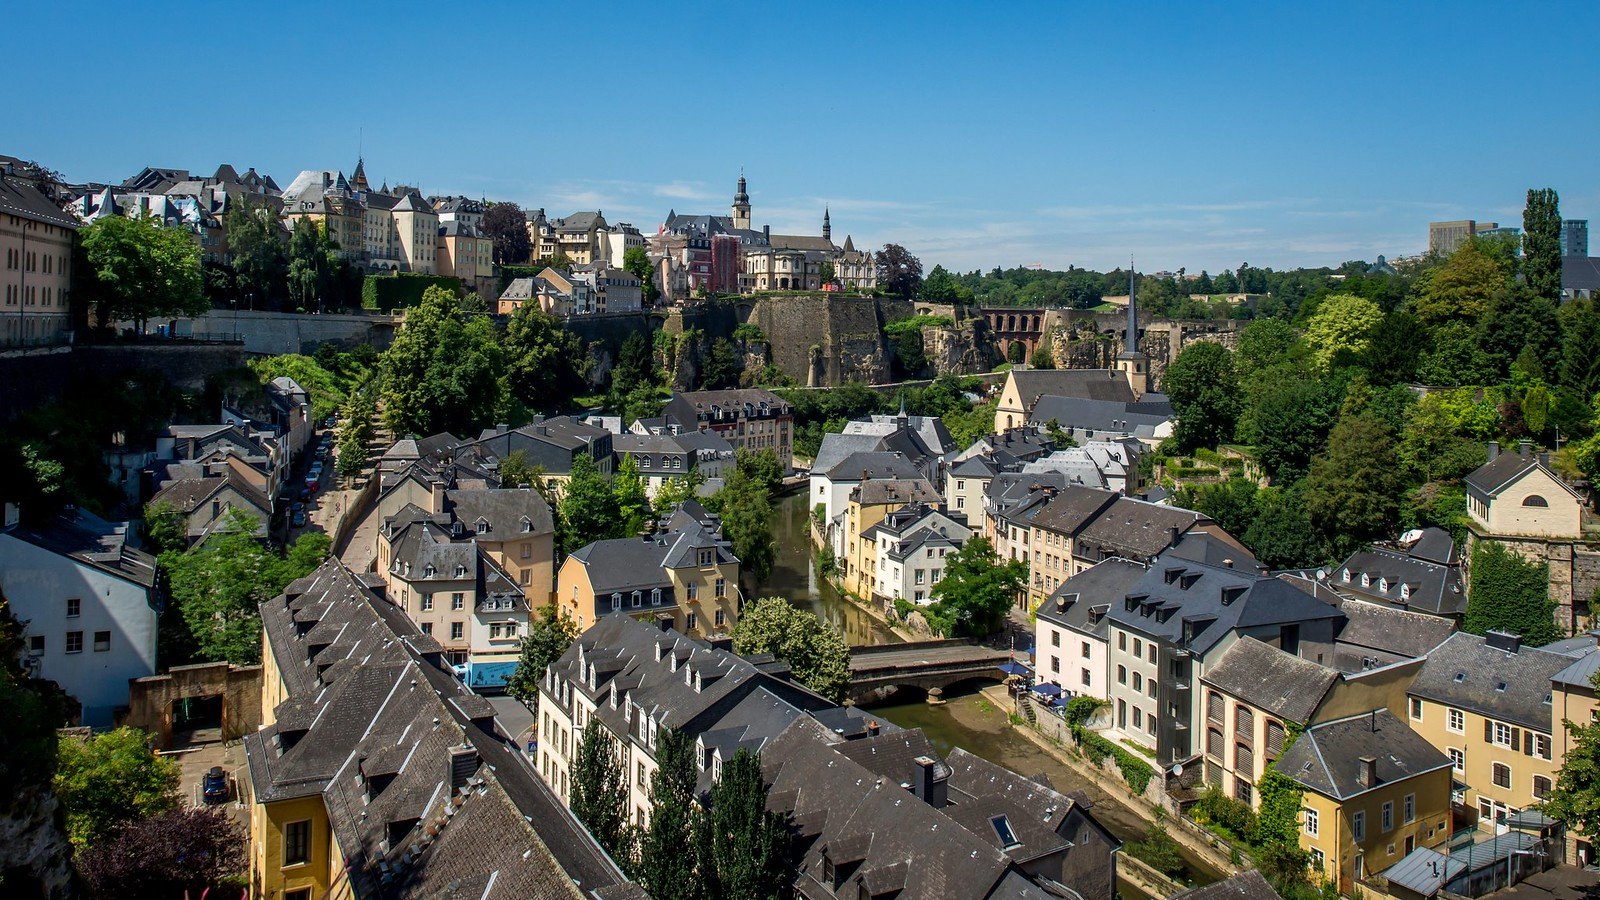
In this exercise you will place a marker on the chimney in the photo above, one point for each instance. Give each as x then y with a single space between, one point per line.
501 428
1544 460
1172 535
872 727
1367 771
664 622
463 765
928 783
1503 640
1494 450
1523 446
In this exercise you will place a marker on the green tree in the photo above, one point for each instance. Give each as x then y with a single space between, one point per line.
976 592
1354 487
1341 330
1231 503
1456 358
140 270
444 371
164 527
634 366
1580 347
514 471
600 791
747 843
589 510
356 431
1575 799
1541 243
1281 535
817 655
1157 848
637 261
1509 593
1462 287
762 468
665 869
1286 418
1204 389
746 509
549 635
901 272
545 363
1043 357
722 366
676 490
633 504
260 259
313 259
507 227
110 780
217 588
30 712
1265 343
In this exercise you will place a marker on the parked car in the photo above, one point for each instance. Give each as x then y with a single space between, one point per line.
299 518
214 786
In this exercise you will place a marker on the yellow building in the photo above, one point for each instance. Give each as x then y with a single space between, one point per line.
365 780
36 241
1024 387
1573 700
1486 703
689 576
869 503
1374 791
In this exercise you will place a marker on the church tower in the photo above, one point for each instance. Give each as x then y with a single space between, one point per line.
1130 361
741 206
827 227
359 180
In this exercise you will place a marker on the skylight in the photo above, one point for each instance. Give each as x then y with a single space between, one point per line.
1002 829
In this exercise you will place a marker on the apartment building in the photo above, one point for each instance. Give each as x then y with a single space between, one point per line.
748 418
36 240
687 578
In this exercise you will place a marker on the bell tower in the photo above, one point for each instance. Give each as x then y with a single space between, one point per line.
1132 363
741 205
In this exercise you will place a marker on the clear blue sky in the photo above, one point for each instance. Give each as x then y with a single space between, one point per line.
1191 134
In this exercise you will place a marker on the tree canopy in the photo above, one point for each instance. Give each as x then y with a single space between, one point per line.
507 227
140 270
976 591
1204 389
817 655
110 780
550 633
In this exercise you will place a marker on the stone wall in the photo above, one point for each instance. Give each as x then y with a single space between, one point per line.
29 379
1081 340
272 333
35 856
150 699
964 349
828 339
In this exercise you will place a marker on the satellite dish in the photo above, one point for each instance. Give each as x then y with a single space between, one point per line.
1177 770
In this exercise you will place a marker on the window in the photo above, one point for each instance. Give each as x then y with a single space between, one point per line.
427 602
1086 651
1458 760
1312 823
1122 674
616 602
1055 638
456 631
1241 790
1541 786
102 641
1138 717
1408 809
722 618
693 622
1501 734
1456 721
1502 775
1541 746
655 596
1152 656
74 607
694 591
74 642
1416 709
297 843
427 628
494 631
458 600
1358 826
1122 640
1138 682
1138 647
720 589
641 776
1085 679
638 599
1387 817
1318 860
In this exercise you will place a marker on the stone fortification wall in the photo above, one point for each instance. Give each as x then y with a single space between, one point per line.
272 333
31 378
828 339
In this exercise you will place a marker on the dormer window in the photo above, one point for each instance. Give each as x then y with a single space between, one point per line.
483 526
636 600
1366 580
655 597
428 571
1346 575
1405 592
461 571
1383 585
527 525
616 602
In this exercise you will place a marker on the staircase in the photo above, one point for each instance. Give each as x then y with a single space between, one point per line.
1026 711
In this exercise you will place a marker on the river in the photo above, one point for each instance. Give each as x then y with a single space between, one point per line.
967 720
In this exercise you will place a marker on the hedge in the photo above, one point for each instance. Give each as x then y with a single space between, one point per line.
386 293
1135 771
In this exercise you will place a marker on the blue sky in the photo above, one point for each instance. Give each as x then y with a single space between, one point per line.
1190 134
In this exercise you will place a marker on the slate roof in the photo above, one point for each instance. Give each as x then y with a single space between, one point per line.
1467 672
1407 635
91 541
1402 580
624 565
930 429
1134 528
1506 468
894 491
503 509
1580 273
1267 678
1247 885
1204 547
1083 416
18 198
871 465
1437 546
1326 757
1425 871
1082 601
373 724
1581 673
1092 384
1023 443
1213 600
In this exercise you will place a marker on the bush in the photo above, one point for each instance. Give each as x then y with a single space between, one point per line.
1158 850
1233 818
749 333
1135 771
386 293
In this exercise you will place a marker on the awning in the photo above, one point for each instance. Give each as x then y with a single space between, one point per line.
1015 668
1059 702
1047 689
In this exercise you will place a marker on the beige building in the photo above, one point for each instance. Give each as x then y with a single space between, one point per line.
687 578
1447 237
417 227
748 419
36 241
465 253
868 505
1024 387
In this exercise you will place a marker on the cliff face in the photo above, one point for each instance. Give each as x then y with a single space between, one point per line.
958 350
827 339
35 856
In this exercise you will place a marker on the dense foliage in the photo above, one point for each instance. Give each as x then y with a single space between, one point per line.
550 633
817 655
1510 593
600 791
977 589
109 780
140 270
175 854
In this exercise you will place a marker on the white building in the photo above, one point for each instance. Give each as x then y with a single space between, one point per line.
912 546
84 598
1070 628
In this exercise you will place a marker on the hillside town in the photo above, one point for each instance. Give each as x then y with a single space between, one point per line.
391 543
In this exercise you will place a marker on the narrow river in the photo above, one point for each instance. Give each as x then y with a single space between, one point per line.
967 720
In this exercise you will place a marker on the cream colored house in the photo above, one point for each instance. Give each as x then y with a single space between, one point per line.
416 226
35 267
688 578
1024 387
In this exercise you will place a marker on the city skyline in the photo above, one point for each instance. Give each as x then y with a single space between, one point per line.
1195 138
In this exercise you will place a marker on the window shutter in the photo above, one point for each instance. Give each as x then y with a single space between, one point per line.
1488 731
1214 706
1516 739
1275 739
1527 745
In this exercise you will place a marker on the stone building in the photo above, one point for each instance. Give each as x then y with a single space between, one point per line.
36 240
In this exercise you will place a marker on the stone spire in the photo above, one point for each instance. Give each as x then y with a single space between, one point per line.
359 179
741 205
827 227
1130 360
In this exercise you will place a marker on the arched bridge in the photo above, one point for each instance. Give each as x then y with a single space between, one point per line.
875 672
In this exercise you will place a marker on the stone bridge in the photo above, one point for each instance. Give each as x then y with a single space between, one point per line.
932 666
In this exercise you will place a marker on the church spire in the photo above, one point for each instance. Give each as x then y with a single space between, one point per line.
359 179
741 205
1130 360
827 227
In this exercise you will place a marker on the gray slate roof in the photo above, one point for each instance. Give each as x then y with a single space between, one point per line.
1080 416
1136 529
1247 885
1326 758
91 541
1466 672
1496 474
1430 587
1082 601
1093 384
1267 678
